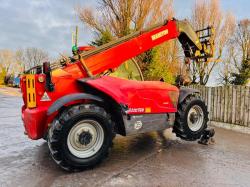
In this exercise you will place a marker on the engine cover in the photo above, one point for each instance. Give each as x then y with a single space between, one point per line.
140 97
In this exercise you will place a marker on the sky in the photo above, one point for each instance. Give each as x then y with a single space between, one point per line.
240 8
48 24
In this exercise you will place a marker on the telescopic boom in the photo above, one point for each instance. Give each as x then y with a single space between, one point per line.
197 45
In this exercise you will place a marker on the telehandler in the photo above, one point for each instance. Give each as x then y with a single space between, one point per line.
78 108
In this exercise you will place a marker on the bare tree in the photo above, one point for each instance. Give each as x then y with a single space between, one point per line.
14 62
242 40
32 57
6 61
20 60
7 64
208 13
228 64
120 17
117 18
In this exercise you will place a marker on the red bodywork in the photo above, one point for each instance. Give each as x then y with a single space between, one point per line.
140 97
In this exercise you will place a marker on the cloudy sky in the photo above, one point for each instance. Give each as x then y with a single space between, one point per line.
45 24
48 24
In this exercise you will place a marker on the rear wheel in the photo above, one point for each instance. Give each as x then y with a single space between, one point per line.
191 118
81 137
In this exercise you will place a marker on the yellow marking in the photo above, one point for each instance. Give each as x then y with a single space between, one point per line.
148 110
197 53
59 73
214 60
31 91
126 65
159 34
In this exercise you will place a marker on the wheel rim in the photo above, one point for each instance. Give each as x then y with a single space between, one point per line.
85 138
195 118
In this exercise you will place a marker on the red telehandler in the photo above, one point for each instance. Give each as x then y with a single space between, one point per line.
78 108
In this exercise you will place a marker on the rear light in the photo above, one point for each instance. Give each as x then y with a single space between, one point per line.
41 78
174 96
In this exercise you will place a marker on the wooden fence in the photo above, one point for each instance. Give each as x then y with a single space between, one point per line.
228 104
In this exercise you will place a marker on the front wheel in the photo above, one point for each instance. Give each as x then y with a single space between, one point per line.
81 137
191 118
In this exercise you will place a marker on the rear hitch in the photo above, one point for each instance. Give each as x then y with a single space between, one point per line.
207 137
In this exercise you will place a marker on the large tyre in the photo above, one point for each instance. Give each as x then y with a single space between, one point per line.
81 137
191 118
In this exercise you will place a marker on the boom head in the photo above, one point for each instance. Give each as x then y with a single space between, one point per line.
197 45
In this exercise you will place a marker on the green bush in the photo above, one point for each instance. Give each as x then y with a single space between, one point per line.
158 68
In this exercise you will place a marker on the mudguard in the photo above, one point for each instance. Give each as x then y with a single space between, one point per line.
184 92
69 98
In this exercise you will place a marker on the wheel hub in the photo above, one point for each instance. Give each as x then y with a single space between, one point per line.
195 118
85 138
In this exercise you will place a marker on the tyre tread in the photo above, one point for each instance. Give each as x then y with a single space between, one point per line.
180 127
54 135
